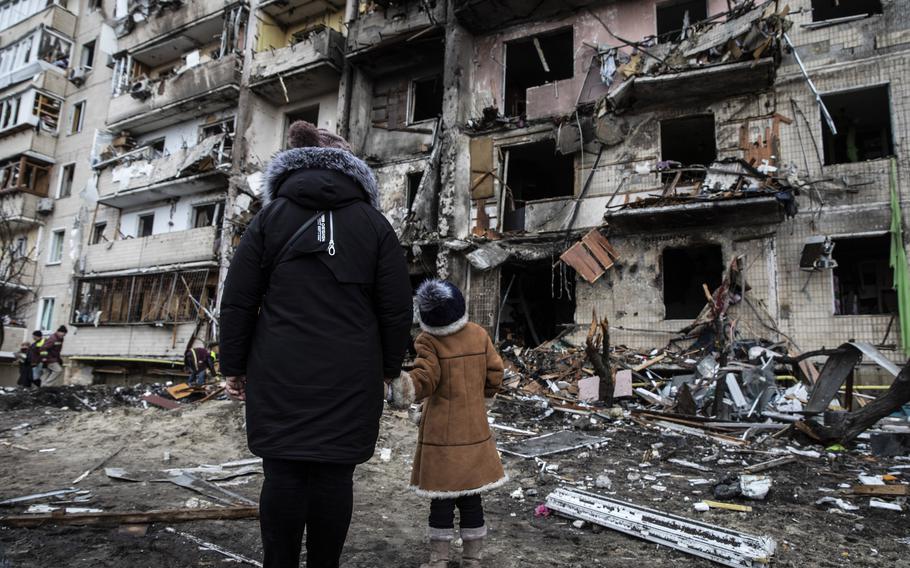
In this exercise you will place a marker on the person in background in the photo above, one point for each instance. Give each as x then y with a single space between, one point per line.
34 357
213 359
25 366
51 358
456 459
197 360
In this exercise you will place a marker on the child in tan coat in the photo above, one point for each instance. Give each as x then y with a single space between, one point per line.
456 459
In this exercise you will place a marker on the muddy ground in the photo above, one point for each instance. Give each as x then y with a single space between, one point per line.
389 522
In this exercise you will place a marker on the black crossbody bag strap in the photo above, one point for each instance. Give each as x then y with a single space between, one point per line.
294 238
287 246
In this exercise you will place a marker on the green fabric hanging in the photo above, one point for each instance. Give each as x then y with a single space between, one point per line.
899 263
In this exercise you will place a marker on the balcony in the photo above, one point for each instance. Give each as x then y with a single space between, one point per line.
177 30
196 246
205 88
139 178
22 209
307 68
54 17
394 26
287 12
25 140
19 274
50 79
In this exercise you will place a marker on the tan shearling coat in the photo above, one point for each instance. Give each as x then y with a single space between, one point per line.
456 453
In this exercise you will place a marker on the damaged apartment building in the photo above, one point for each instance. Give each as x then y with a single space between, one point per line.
123 168
553 158
625 157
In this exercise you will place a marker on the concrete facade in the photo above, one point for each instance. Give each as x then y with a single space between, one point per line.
153 161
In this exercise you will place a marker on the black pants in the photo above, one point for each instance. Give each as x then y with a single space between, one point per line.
298 495
442 512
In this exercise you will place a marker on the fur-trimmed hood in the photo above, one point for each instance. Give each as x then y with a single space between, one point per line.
314 158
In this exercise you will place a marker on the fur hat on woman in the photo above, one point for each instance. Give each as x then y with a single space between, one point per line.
441 306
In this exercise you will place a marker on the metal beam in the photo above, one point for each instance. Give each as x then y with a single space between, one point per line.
724 546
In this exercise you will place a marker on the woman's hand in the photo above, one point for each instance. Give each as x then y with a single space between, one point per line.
236 387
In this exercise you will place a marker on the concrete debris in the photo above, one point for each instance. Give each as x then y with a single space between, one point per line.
839 503
887 505
548 444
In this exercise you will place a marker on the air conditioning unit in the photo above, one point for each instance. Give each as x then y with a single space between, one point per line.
77 76
141 89
817 254
45 205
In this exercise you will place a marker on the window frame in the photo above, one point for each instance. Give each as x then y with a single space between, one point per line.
80 108
51 249
42 308
98 238
825 132
139 218
833 289
194 212
412 97
94 54
71 166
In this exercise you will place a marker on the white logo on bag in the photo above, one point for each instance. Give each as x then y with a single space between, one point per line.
320 229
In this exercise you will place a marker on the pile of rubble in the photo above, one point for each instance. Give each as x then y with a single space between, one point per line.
102 397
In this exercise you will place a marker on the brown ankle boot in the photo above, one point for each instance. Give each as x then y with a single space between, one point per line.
439 554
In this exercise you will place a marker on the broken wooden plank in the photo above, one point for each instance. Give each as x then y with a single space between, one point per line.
765 466
160 402
211 395
888 490
131 517
728 506
649 363
182 390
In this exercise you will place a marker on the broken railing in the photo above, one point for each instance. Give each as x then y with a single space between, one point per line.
168 297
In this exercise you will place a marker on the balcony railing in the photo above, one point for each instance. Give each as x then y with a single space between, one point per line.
37 51
158 22
34 143
24 209
16 23
152 105
393 25
144 175
301 70
165 249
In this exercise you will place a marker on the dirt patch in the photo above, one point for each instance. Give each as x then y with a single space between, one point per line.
389 521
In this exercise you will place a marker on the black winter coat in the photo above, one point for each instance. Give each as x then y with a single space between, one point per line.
315 334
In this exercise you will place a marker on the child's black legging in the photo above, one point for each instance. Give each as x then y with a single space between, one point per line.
470 507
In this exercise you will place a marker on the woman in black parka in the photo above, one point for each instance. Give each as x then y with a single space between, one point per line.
315 313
